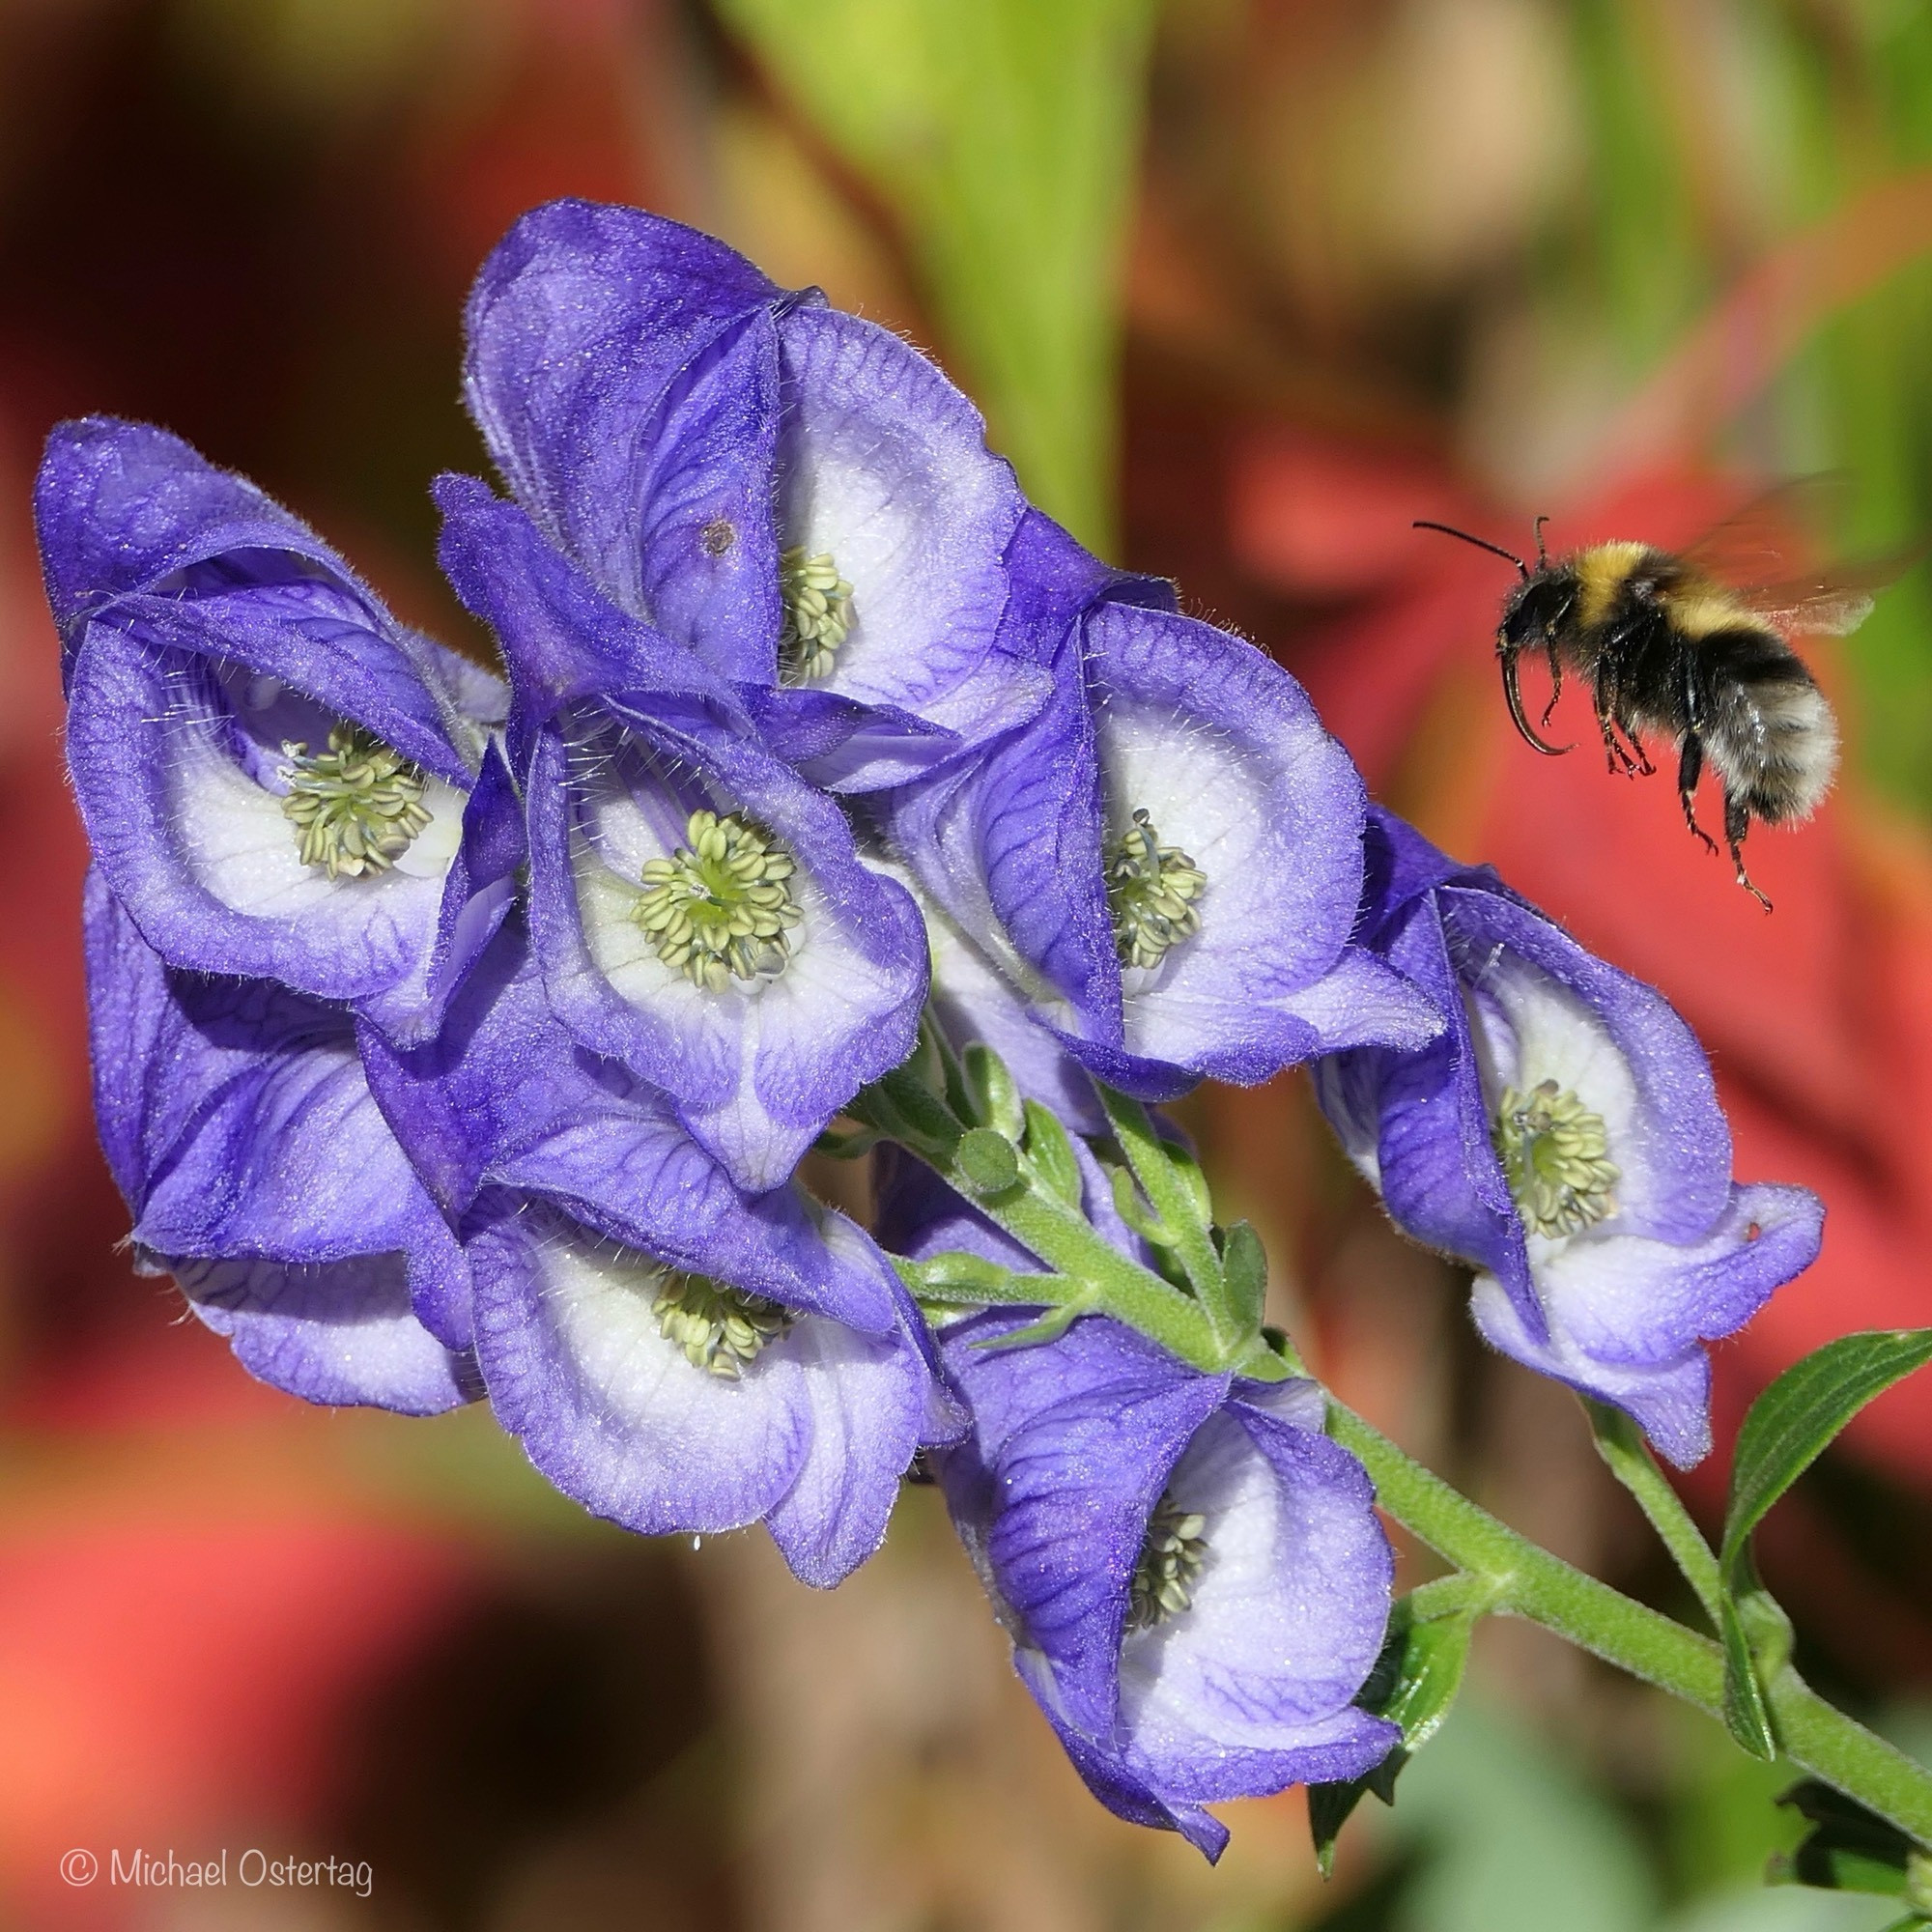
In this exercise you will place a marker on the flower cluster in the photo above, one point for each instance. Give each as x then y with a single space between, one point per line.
461 1039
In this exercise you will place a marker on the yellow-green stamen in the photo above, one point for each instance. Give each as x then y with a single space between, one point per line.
720 1329
1555 1153
720 906
817 614
358 806
1151 894
1172 1553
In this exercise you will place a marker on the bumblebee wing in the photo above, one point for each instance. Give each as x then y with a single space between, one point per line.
1829 601
1766 541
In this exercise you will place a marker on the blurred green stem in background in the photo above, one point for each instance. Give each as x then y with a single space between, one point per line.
1005 135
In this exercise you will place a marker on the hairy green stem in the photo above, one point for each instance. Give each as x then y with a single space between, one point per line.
900 1106
1621 1444
1532 1583
1499 1571
1181 1217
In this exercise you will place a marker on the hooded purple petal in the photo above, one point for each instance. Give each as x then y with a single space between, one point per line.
624 738
261 1173
1165 862
589 327
1591 1081
213 644
1247 1684
584 1200
884 471
693 435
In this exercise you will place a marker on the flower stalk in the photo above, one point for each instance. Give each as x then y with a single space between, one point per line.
1498 1572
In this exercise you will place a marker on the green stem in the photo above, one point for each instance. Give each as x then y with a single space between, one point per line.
1503 1572
1532 1583
900 1106
1621 1444
1181 1217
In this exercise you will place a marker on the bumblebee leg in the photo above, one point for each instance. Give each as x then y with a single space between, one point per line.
1736 822
1614 755
1644 768
1689 769
1555 683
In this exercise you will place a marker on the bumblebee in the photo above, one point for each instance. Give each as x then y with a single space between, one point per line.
1685 647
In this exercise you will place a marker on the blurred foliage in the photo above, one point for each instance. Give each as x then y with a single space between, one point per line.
1004 134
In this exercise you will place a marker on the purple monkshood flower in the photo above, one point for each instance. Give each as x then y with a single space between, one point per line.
672 1353
1165 863
790 491
260 1174
1563 1137
278 780
1192 1573
699 911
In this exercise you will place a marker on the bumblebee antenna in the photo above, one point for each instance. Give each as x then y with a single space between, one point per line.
1481 543
1541 556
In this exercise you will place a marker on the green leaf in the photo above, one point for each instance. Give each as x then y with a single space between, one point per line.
1051 1153
1414 1684
1134 1210
1791 1422
1851 1849
1747 1716
1050 1327
1244 1264
1788 1426
960 1280
996 1100
1004 135
1193 1182
988 1162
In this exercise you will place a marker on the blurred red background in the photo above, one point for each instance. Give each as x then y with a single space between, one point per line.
228 1620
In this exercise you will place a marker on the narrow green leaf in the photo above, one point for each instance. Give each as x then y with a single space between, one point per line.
1004 134
1793 1421
1747 1716
1134 1210
996 1100
1050 1327
1414 1684
960 1280
1244 1264
1193 1182
1051 1153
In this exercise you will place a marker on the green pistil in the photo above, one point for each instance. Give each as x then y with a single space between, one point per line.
817 614
1172 1553
1554 1156
720 907
720 1329
1151 894
357 806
